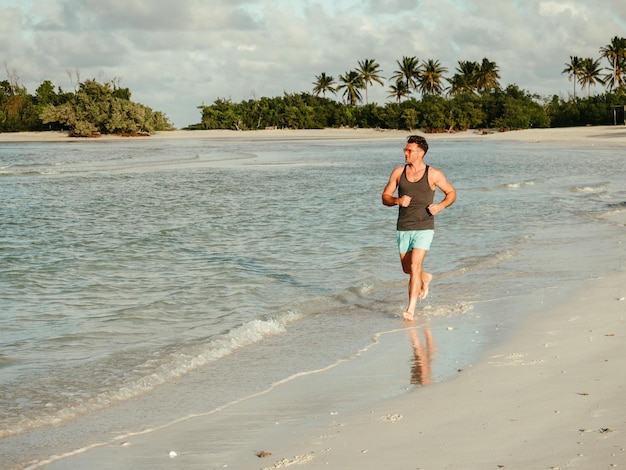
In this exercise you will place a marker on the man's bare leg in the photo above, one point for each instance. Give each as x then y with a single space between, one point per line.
426 278
415 285
412 265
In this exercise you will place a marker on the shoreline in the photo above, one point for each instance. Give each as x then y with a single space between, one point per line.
549 396
591 135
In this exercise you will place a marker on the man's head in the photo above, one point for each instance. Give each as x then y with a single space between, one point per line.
420 141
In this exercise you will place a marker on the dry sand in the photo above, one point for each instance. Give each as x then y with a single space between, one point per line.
604 135
551 397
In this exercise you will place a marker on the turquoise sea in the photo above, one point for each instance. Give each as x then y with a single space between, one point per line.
142 281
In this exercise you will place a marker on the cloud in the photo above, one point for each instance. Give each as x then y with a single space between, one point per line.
175 55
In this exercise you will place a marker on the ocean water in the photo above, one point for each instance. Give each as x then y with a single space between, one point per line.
142 281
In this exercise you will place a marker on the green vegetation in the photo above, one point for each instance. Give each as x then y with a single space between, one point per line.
471 98
420 95
95 108
509 108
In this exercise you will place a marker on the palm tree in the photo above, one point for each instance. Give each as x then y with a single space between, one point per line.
324 83
431 77
351 83
464 80
369 71
616 78
573 70
487 76
399 90
590 74
615 53
408 70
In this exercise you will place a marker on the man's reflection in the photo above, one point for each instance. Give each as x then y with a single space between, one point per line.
421 373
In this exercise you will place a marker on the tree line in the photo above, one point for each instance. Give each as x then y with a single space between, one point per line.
423 96
428 77
503 109
93 108
411 76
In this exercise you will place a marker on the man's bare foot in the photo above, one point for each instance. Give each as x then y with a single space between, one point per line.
425 282
408 316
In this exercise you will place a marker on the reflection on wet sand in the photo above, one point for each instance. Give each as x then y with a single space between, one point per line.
421 373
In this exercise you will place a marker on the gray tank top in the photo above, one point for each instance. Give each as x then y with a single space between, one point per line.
416 217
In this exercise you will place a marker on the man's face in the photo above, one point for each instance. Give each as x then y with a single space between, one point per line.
412 152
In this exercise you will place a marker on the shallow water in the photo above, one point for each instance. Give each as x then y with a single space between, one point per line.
169 268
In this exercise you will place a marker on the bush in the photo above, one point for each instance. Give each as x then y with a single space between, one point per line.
98 108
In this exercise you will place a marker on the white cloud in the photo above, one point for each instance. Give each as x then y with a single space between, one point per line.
177 54
558 8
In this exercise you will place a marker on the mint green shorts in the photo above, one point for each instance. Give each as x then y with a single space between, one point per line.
409 239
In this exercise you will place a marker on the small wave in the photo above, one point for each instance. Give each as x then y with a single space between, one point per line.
458 308
179 364
32 165
28 172
520 185
474 263
29 168
616 214
6 360
590 188
366 289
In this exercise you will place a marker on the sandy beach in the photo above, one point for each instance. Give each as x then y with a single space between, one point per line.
604 135
549 397
552 397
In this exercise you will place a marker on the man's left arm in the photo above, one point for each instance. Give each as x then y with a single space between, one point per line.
446 187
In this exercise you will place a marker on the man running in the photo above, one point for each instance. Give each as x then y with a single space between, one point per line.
416 183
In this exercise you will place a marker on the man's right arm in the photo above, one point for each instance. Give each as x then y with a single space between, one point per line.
388 193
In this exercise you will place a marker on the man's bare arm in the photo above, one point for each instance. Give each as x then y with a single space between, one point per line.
388 193
446 187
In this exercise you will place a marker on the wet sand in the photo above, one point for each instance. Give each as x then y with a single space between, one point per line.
550 397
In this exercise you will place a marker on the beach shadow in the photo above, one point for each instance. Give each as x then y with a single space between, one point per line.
615 135
423 352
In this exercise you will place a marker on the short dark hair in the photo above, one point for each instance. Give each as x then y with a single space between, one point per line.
419 140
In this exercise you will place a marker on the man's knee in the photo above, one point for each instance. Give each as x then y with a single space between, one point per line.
415 269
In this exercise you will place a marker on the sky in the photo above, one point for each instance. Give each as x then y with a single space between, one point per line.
176 55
